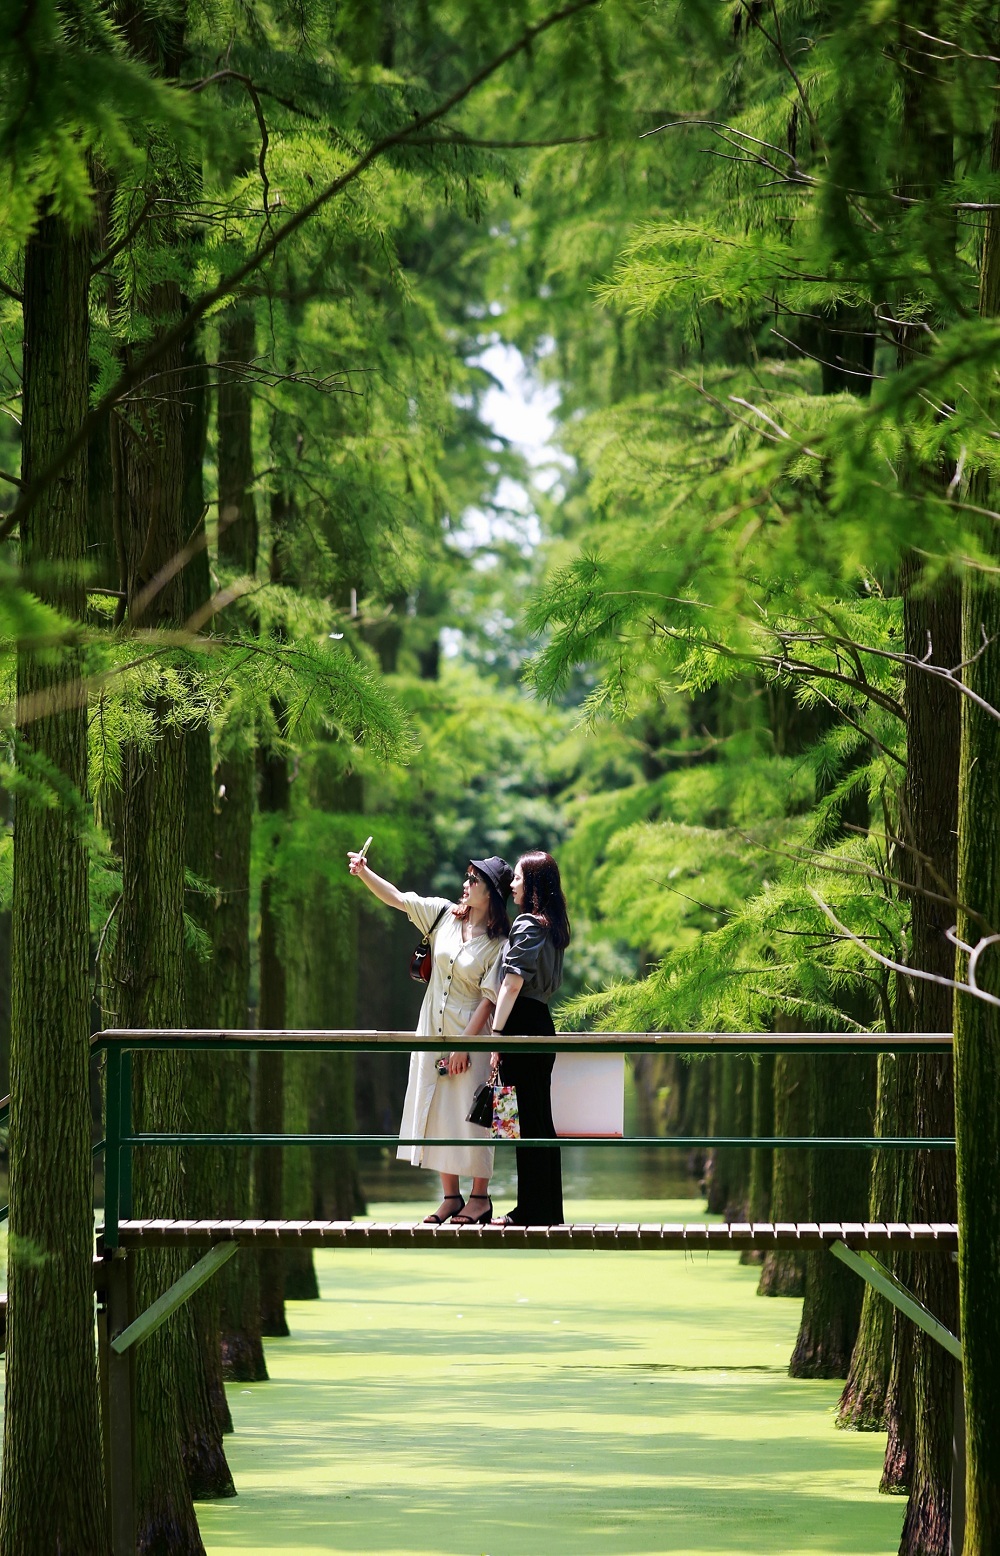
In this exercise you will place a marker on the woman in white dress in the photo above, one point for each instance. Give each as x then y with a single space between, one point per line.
465 941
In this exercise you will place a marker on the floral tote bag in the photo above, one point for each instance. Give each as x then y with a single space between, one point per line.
505 1122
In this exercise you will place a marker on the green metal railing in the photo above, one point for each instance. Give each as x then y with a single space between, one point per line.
121 1140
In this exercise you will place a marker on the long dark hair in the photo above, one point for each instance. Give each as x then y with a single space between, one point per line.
543 895
497 922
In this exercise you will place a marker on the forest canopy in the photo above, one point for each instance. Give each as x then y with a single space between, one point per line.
725 638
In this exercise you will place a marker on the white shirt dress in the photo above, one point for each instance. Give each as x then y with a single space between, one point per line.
435 1104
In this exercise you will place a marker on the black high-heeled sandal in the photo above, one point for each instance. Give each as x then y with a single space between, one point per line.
436 1220
460 1220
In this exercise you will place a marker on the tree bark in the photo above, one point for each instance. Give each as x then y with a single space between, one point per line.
783 1273
269 1106
149 952
977 1042
921 1394
328 936
204 1410
977 1028
301 1284
695 1113
235 780
842 1102
727 1171
52 1468
269 1167
862 1404
920 1397
243 1358
761 1159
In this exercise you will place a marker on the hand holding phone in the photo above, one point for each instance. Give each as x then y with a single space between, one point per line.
357 862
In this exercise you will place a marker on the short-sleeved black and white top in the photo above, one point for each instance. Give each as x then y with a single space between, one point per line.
533 955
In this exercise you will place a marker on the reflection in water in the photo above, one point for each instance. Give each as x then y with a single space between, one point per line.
589 1172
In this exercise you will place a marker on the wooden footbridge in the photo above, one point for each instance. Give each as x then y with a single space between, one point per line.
123 1237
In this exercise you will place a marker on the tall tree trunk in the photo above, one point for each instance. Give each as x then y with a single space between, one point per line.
697 1101
329 935
842 1102
301 1284
149 953
977 1029
204 1411
52 1469
727 1171
148 453
270 1099
761 1158
6 812
920 1398
243 1358
862 1404
783 1273
238 540
235 780
921 1389
977 1032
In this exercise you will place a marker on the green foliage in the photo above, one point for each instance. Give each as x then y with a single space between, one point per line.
780 392
763 321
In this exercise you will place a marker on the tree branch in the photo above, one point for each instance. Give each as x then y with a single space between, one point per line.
229 284
125 239
237 75
506 145
969 986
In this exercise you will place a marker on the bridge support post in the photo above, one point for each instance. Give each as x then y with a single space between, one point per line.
884 1281
956 1534
118 1388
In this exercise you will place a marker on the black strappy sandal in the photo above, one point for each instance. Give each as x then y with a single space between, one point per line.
459 1220
436 1220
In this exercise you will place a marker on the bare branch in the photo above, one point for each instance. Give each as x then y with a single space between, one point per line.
973 952
100 945
237 75
838 367
748 404
506 145
782 664
123 242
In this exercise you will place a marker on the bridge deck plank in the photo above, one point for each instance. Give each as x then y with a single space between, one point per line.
668 1235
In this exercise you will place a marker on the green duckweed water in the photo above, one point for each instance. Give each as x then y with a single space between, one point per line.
535 1404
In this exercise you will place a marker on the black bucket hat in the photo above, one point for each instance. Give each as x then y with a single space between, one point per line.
497 873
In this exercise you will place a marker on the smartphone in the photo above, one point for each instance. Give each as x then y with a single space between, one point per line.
364 851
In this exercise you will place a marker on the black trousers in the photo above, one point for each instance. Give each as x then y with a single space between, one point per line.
539 1169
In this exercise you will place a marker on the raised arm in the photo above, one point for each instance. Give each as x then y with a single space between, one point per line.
385 891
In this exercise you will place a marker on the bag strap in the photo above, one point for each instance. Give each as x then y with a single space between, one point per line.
426 939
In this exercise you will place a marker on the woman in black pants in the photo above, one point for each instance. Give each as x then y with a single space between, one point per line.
530 971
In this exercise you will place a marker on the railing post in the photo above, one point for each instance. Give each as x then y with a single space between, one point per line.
125 1179
112 1148
121 1383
